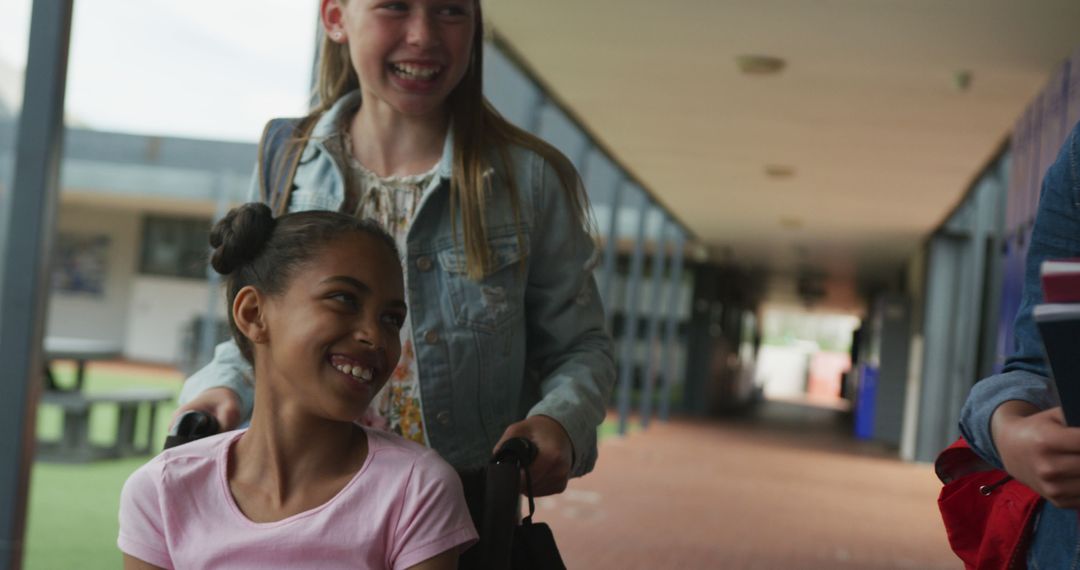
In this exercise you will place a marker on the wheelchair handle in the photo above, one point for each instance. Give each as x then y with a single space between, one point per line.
191 425
518 449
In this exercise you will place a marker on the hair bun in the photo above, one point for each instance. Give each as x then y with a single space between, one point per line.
240 236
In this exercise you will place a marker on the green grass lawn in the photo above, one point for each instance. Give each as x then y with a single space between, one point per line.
72 509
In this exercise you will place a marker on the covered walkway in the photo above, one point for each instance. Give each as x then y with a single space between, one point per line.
786 488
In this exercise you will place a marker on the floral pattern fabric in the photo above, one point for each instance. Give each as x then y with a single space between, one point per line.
392 202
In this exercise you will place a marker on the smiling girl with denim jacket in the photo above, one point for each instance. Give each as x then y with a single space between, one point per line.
506 334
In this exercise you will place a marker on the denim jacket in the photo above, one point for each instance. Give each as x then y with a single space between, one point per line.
1056 234
528 339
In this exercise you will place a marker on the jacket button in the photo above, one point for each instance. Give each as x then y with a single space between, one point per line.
443 417
423 263
431 337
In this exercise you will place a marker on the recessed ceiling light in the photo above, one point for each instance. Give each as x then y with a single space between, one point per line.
791 223
757 64
779 171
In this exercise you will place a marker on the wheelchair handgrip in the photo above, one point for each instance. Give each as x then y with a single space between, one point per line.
518 449
191 425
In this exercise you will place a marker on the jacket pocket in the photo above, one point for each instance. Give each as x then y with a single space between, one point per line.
492 302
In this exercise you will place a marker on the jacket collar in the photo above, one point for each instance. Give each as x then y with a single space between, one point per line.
327 126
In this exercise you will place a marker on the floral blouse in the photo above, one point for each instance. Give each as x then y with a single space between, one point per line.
392 202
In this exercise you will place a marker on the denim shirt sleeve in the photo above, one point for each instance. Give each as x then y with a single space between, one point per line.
567 336
228 369
1056 234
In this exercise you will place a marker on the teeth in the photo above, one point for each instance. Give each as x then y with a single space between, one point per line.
361 373
415 71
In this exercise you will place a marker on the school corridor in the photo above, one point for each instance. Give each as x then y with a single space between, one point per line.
785 488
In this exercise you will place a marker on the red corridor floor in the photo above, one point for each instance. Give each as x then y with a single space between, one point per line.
786 489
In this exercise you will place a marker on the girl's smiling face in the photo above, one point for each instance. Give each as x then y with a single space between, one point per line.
409 54
333 336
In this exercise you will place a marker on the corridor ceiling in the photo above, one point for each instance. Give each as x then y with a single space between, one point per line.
867 113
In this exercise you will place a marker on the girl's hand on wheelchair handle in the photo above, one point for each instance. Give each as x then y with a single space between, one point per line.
550 471
222 403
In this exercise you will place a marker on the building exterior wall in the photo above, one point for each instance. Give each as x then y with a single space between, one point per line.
88 315
161 309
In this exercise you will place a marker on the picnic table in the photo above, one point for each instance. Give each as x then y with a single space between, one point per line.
78 350
74 445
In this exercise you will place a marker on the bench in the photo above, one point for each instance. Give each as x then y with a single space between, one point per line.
74 445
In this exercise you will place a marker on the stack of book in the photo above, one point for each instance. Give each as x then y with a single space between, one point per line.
1058 319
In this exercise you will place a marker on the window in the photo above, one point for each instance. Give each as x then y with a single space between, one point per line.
175 247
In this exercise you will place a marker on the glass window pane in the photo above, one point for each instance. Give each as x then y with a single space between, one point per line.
14 40
654 224
601 179
630 211
557 129
508 89
174 247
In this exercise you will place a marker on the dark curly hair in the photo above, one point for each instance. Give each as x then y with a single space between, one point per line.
251 247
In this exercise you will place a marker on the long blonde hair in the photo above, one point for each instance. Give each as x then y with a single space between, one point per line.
477 127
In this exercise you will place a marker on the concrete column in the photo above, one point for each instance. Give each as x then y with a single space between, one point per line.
611 246
654 324
671 327
630 319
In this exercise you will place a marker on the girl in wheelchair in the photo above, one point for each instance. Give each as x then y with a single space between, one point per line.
316 303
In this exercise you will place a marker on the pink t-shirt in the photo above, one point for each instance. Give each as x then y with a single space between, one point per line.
404 506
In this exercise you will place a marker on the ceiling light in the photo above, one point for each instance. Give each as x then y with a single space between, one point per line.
701 252
779 171
756 64
791 223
